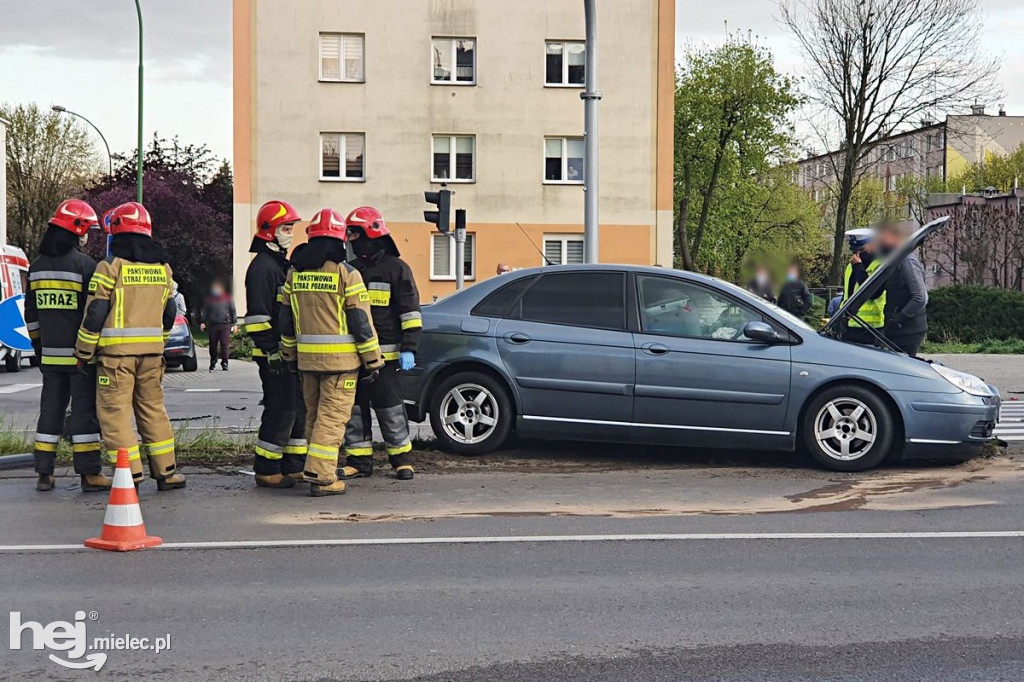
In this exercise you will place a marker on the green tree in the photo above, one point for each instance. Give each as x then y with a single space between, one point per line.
734 192
1002 171
49 158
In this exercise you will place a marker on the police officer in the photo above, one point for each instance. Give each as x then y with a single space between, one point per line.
395 303
53 313
862 265
128 318
326 327
280 445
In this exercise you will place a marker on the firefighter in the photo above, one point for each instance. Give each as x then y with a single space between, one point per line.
53 313
326 327
395 305
862 265
128 318
281 445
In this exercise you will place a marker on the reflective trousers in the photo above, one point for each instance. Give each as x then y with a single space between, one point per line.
384 398
61 388
128 386
281 441
329 399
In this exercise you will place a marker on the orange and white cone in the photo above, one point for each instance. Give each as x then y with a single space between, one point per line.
123 530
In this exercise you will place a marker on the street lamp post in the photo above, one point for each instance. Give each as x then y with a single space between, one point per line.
110 159
138 153
591 97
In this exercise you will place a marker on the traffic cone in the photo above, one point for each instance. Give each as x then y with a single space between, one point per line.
123 530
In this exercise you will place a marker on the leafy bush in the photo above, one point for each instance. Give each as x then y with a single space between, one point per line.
973 313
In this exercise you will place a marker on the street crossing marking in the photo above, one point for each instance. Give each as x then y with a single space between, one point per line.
528 539
203 390
1010 426
15 388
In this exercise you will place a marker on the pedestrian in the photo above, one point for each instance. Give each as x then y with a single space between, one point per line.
280 449
327 331
761 285
219 320
128 318
863 263
53 313
834 305
179 300
503 269
395 304
794 297
906 294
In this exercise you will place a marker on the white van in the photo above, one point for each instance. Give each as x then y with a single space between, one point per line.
13 283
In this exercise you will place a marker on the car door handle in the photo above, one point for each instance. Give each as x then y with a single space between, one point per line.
518 338
655 348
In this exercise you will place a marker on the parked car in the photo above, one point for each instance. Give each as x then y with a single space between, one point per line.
651 355
180 349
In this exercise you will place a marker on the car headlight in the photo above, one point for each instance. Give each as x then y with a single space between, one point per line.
964 381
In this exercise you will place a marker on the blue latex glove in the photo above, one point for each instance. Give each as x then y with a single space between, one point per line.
406 361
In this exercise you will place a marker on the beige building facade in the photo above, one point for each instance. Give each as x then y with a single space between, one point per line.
372 102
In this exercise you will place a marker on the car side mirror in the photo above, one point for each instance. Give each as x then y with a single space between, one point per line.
761 332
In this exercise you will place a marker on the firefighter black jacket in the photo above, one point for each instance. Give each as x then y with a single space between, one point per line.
394 303
54 305
264 288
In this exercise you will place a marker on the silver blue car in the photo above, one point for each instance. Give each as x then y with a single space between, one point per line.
649 355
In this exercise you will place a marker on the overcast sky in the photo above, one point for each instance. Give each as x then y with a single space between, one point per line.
82 54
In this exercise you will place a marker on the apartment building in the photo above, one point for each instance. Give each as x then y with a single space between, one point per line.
372 102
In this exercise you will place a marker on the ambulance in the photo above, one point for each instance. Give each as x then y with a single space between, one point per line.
14 345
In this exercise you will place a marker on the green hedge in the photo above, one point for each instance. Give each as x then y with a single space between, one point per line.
971 313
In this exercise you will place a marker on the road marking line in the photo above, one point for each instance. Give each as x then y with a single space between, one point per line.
203 390
15 388
525 539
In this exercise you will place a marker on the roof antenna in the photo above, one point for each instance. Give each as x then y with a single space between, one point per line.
546 261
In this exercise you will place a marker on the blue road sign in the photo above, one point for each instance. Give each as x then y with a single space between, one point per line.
13 333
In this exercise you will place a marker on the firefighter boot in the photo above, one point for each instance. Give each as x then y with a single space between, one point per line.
164 469
402 466
45 482
172 482
95 483
356 467
336 488
274 481
322 473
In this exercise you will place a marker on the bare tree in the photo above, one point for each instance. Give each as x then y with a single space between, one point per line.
875 66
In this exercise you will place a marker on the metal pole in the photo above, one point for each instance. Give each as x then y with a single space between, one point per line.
138 161
591 97
110 159
460 258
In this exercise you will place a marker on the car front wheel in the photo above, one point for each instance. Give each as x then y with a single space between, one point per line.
848 428
471 413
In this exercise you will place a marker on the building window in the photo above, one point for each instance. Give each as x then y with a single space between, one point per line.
453 158
563 160
563 249
337 146
565 62
442 256
341 57
446 52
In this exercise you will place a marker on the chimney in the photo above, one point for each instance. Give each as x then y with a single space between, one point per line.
977 110
1002 110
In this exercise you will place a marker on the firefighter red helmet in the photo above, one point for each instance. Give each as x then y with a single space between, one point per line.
327 223
273 215
369 220
74 215
131 217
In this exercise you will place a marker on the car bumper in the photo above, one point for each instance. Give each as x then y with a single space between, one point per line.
947 424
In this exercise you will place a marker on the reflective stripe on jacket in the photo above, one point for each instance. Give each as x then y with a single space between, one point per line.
873 310
54 305
395 303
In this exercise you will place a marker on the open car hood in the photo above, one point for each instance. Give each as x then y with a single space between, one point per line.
873 284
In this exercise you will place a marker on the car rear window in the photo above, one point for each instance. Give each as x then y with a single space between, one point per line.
581 299
497 303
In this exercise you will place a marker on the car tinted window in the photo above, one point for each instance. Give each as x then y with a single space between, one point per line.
673 307
497 303
582 299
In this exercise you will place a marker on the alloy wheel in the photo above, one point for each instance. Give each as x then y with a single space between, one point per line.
469 413
845 429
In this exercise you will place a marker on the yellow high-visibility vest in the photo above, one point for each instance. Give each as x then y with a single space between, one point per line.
873 310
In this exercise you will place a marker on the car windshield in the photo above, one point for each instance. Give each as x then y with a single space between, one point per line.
746 295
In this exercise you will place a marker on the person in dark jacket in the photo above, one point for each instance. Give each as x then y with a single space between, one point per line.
906 294
220 320
54 306
281 447
795 297
395 307
761 285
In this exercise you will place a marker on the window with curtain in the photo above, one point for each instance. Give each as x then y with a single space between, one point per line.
453 158
341 57
563 160
565 62
442 257
335 147
453 61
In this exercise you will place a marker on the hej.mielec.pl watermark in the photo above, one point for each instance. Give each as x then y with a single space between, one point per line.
70 639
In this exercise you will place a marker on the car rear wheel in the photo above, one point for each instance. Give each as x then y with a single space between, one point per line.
471 413
12 363
848 428
189 364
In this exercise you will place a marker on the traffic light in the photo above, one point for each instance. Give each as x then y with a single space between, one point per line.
441 218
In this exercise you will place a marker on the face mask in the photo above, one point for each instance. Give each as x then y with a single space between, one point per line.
83 240
284 241
791 276
364 248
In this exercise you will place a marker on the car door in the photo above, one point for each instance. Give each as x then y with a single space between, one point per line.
566 346
699 379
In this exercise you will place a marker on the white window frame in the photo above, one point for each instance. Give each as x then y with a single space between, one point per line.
565 64
450 236
565 160
452 55
564 239
342 149
341 57
451 159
